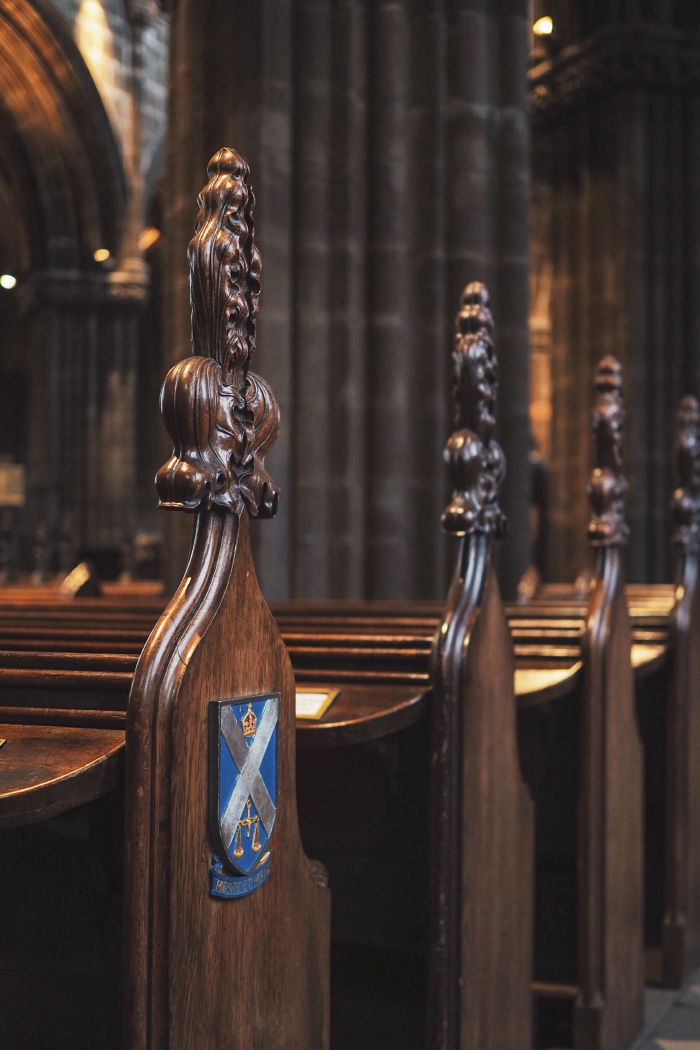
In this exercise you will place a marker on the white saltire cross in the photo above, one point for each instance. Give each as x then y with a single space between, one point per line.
248 759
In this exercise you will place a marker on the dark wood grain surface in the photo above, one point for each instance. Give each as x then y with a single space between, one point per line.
481 839
202 972
45 770
609 1010
190 1003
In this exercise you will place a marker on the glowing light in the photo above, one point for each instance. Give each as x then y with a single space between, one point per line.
101 255
93 35
148 237
7 281
543 26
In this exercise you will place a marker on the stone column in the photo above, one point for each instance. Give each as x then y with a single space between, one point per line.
388 144
82 446
616 145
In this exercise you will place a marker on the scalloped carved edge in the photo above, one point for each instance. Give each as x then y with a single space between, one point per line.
221 417
475 461
607 489
685 503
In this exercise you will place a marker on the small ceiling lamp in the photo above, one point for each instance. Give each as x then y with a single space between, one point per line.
543 26
7 281
101 255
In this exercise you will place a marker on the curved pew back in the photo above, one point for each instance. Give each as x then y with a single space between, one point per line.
609 1009
482 821
681 921
226 921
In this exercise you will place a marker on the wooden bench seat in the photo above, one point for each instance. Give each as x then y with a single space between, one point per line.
45 770
377 653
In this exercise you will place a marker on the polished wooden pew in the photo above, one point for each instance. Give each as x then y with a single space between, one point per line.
681 921
482 841
600 762
609 1010
666 622
486 966
393 659
397 658
599 721
227 933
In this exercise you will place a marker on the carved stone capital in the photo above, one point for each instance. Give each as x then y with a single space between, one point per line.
221 417
685 503
618 57
607 489
475 461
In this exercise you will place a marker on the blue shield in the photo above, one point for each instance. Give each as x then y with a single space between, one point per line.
243 778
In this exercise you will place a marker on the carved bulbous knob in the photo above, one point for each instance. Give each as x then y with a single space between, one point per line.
685 503
607 489
476 464
222 418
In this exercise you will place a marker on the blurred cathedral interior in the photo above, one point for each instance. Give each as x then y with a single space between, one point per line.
398 150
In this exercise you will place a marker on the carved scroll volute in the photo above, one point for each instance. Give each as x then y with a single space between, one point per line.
222 418
607 489
685 504
475 461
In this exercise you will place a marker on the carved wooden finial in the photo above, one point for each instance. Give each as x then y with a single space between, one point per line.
607 488
225 268
222 417
476 464
685 504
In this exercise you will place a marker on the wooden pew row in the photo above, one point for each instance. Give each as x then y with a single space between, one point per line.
663 632
602 741
200 620
354 654
223 946
317 734
673 610
96 675
543 670
343 730
598 1026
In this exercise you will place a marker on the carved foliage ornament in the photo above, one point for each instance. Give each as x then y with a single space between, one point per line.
685 504
476 464
221 417
607 488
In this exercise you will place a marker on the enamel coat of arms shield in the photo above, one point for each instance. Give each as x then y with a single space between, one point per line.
243 748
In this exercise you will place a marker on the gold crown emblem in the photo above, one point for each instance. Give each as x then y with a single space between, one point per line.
249 721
